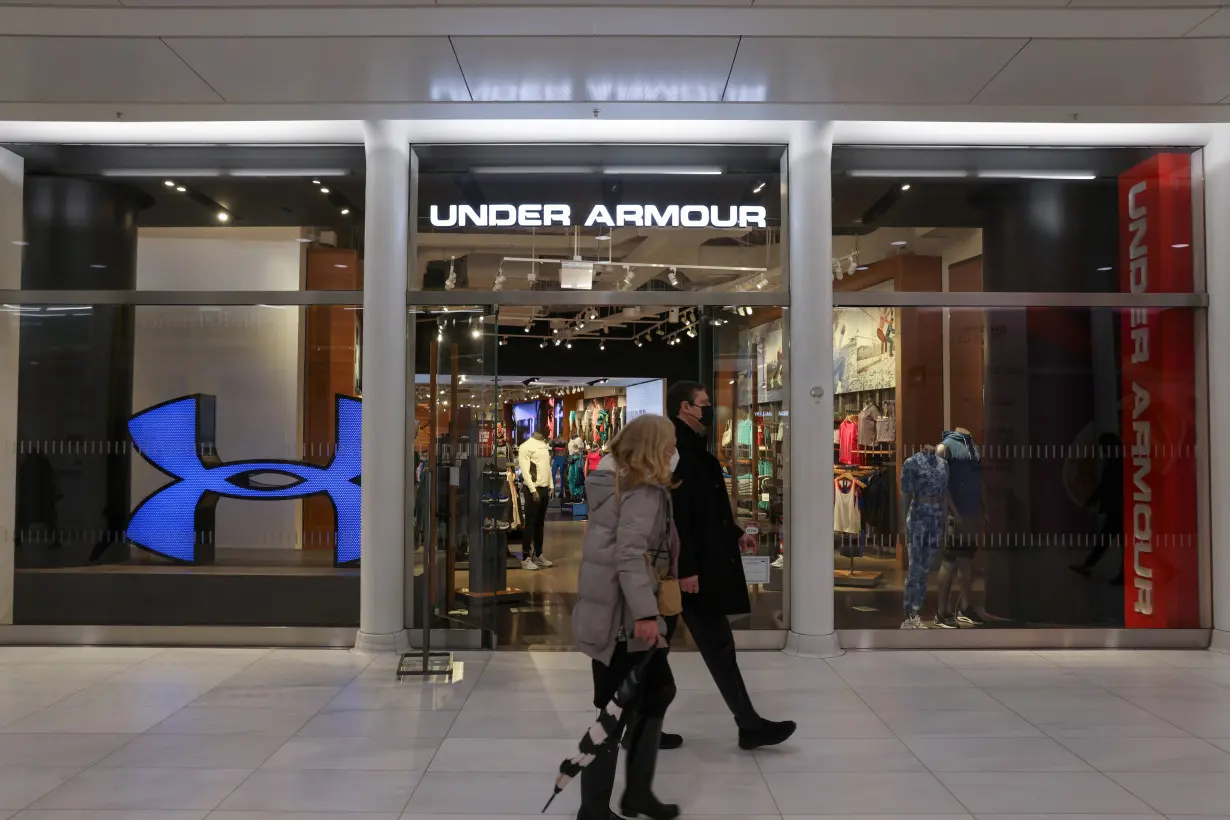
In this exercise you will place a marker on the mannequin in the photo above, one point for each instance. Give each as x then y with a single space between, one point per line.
925 500
534 458
965 492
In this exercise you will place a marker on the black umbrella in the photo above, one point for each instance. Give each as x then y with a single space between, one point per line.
606 729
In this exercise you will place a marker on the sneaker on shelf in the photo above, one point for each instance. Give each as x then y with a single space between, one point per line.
542 561
969 616
946 621
779 562
488 523
502 525
528 563
912 622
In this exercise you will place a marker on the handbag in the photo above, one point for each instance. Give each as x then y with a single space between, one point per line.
670 597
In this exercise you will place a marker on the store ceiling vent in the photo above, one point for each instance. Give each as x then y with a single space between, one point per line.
575 274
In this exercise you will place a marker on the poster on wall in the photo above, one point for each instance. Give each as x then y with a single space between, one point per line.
864 349
645 398
765 360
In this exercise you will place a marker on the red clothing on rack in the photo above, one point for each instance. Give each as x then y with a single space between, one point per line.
847 441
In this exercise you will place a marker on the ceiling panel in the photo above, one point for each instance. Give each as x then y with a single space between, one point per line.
103 69
986 4
333 69
633 69
869 70
600 3
1217 25
1114 72
266 3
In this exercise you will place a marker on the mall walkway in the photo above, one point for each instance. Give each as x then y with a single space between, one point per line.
184 734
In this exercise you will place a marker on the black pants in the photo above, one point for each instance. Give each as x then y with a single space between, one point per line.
713 636
657 688
535 522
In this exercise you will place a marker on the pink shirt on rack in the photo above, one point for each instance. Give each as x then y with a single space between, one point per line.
847 440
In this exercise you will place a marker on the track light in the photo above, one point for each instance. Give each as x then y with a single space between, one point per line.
477 332
345 211
602 345
324 190
557 342
181 188
673 278
905 187
223 216
638 341
527 328
169 184
759 187
555 331
568 345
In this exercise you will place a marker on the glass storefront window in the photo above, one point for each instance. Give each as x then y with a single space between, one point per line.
143 431
613 218
1069 448
1040 219
577 375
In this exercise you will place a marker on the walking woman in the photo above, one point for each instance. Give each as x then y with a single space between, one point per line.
627 549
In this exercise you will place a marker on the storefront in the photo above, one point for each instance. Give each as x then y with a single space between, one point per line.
1046 306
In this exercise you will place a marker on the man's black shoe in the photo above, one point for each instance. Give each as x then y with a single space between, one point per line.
669 741
770 733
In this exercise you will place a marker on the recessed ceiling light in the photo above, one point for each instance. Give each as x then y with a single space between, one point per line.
223 216
759 187
898 243
180 188
169 184
345 211
1105 268
324 190
905 187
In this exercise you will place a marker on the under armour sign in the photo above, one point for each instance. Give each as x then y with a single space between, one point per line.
177 520
619 216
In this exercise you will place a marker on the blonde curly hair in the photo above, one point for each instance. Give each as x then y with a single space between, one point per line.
642 452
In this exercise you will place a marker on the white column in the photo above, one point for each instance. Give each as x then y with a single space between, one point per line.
12 179
386 226
810 234
1217 243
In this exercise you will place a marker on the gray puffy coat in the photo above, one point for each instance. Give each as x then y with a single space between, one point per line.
616 586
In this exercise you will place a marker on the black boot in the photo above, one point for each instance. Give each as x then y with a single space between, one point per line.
638 799
668 741
597 784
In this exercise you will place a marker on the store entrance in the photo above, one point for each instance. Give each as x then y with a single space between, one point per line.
520 403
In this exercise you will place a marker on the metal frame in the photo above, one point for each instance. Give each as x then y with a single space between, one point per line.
852 639
1017 299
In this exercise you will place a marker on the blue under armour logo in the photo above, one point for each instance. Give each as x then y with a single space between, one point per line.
177 520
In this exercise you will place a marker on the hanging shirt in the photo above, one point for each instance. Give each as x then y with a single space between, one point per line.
867 426
846 517
847 440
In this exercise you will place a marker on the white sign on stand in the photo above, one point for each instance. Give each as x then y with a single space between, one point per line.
756 569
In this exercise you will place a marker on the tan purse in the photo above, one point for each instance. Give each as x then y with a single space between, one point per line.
670 597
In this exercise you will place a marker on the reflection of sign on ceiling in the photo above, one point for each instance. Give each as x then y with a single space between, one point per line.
620 216
177 521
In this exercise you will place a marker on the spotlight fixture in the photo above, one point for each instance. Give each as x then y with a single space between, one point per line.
602 345
169 184
477 332
905 187
673 278
555 331
345 211
762 283
316 182
900 243
557 342
759 187
593 314
324 190
223 216
569 345
638 341
526 328
181 189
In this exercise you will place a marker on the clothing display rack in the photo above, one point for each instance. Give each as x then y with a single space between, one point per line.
852 480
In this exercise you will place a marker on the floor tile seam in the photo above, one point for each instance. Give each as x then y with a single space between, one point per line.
1128 776
1190 736
901 740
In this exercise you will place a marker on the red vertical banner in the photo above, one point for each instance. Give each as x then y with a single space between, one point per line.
1160 562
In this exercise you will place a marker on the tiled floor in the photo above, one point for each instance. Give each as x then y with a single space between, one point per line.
186 734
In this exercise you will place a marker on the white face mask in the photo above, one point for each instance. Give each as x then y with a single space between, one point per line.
674 460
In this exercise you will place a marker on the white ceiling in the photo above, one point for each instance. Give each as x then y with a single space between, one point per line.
1073 60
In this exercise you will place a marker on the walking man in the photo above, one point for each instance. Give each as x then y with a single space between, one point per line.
710 564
